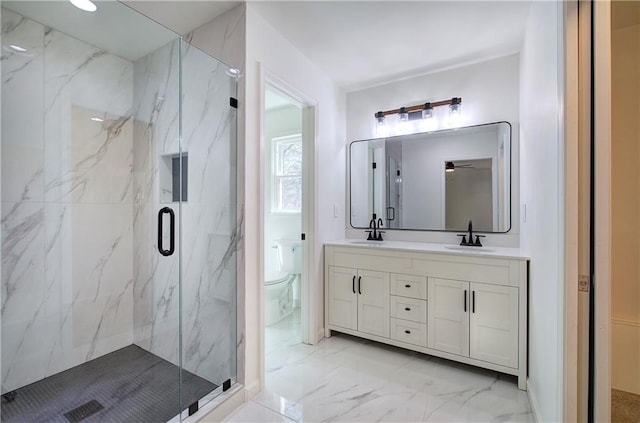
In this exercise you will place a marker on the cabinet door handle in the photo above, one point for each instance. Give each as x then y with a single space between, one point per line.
407 331
359 280
407 309
465 300
473 301
353 284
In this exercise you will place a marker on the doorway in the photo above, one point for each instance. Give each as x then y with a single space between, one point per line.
614 382
287 136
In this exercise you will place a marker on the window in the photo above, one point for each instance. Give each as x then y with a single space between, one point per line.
287 174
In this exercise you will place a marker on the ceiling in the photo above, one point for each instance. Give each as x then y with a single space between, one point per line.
365 43
182 16
118 29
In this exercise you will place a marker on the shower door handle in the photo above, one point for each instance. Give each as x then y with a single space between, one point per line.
172 231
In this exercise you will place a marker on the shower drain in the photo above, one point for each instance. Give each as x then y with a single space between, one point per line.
85 410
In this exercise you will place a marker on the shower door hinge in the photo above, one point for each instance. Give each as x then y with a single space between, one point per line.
303 236
583 283
373 165
233 102
226 385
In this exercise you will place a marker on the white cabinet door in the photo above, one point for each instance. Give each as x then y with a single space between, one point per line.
494 324
343 299
448 316
373 302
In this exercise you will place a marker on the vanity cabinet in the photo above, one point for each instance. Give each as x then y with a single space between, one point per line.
476 320
464 307
359 300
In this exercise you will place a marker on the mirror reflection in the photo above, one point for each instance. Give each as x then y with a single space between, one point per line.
435 180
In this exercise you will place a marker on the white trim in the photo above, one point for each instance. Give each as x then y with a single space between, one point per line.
533 402
602 192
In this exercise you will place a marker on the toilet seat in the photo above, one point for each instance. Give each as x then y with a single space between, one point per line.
275 277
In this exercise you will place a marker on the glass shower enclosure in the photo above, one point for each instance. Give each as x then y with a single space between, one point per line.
118 158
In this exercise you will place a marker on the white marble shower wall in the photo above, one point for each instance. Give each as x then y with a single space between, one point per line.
67 204
208 216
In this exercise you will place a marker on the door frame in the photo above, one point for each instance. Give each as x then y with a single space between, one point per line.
309 138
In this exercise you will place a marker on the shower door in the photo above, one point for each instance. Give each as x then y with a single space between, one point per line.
208 221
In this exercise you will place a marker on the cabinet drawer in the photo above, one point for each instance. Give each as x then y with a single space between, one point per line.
409 309
409 332
409 286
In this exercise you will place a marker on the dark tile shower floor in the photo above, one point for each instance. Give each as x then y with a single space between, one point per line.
128 385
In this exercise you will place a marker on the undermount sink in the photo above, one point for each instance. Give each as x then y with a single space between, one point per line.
471 249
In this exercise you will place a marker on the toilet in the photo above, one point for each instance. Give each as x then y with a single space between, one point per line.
279 302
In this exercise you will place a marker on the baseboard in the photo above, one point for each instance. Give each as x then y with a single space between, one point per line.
535 409
625 346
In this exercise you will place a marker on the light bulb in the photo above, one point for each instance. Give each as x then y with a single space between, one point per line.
403 115
449 167
427 112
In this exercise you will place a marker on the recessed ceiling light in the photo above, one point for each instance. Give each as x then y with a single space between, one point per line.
97 119
17 48
86 5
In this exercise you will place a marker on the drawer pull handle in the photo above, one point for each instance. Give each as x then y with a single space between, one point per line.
407 332
407 309
407 286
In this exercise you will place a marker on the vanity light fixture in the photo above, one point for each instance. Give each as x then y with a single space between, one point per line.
380 118
424 110
86 5
449 167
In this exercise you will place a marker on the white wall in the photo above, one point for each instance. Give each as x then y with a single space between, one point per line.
423 173
490 93
541 155
269 52
625 204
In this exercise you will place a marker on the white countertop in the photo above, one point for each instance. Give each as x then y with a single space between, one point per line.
425 247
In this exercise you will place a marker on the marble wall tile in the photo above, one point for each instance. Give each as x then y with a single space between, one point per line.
67 211
78 75
156 288
22 293
22 109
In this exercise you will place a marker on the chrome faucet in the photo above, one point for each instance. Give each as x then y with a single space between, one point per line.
471 242
375 225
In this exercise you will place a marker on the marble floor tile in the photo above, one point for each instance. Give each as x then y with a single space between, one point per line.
348 379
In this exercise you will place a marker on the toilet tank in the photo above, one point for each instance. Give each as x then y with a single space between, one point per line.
290 255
